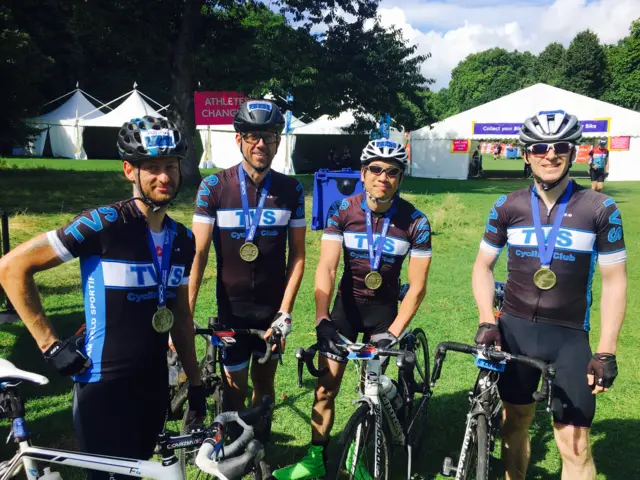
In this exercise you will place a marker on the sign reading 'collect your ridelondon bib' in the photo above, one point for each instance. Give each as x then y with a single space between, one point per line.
216 108
588 126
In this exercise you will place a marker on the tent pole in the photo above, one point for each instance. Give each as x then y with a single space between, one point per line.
106 104
61 96
94 98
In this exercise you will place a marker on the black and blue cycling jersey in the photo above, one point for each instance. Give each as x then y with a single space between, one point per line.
591 233
119 285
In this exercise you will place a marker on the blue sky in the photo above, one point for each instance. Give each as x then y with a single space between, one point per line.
453 29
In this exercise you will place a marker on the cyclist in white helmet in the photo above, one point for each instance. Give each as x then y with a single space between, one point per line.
367 298
556 231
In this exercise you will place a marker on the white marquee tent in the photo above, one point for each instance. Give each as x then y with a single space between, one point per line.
59 125
220 149
431 148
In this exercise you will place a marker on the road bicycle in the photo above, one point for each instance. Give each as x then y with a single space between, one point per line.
484 416
214 458
389 412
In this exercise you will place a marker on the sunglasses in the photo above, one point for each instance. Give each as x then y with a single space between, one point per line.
377 170
253 138
561 148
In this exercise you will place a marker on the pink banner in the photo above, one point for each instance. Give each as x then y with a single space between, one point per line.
216 108
619 143
459 146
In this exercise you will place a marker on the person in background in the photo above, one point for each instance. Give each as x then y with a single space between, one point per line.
599 165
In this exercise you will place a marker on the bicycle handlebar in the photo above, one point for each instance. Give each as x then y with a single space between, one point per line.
232 332
548 370
215 459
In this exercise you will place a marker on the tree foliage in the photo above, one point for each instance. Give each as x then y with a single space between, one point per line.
624 70
585 65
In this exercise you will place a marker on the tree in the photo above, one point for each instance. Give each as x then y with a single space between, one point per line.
549 64
585 65
623 62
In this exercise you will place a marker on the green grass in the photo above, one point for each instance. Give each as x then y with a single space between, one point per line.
44 198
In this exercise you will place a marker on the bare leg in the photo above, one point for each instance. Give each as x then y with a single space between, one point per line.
516 448
575 450
327 389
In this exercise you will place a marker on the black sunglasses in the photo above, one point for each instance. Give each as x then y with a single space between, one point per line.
377 170
561 148
254 137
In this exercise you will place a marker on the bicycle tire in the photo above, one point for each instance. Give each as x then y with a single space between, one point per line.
418 414
361 425
423 366
482 448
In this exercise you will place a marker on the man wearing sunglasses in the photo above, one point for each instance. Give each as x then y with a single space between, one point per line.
599 165
556 231
375 231
251 212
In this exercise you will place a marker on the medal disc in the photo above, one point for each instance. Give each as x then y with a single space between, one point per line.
544 279
248 252
162 320
373 280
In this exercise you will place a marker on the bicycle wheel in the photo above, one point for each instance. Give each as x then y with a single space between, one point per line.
186 456
474 464
416 415
423 365
357 449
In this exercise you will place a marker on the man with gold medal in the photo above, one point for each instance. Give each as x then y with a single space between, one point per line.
556 231
375 231
135 263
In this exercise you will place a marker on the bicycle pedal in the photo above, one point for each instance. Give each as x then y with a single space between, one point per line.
447 467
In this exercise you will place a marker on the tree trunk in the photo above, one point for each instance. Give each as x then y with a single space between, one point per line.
182 87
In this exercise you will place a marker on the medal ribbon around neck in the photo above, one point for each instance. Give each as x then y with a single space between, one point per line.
250 227
375 257
162 270
546 248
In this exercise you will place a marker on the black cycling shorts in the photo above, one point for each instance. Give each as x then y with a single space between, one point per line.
352 318
120 417
567 348
597 175
246 315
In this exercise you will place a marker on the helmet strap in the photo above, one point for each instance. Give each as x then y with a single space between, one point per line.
257 169
155 206
550 186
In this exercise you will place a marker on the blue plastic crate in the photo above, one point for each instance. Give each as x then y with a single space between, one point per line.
329 187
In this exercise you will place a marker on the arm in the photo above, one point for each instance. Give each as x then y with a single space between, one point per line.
612 306
295 267
326 276
606 164
418 273
203 233
482 281
183 336
17 270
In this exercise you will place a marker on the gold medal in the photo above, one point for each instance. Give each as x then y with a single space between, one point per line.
544 278
373 280
249 252
162 320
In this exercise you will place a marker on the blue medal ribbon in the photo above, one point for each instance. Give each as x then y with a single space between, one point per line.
546 247
162 271
250 227
375 257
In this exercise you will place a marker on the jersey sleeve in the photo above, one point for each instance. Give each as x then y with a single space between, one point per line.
207 201
334 228
297 209
190 255
609 234
420 238
495 232
83 236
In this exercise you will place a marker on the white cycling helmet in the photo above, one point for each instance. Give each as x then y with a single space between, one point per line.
384 149
551 126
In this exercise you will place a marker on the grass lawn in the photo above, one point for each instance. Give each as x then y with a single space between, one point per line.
44 194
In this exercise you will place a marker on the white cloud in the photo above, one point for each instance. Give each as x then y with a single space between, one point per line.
452 31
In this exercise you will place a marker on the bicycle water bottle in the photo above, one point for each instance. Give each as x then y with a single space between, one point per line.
390 390
49 475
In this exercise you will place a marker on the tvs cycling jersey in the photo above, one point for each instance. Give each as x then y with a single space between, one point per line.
599 157
591 232
259 284
409 233
119 285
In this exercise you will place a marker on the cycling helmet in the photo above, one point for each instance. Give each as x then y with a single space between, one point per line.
258 115
150 137
553 126
602 141
384 149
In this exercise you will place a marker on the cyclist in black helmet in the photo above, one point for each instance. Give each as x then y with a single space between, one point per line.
251 213
557 231
135 263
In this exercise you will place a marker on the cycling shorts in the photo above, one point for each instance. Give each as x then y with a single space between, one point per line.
596 174
354 317
247 315
120 417
567 348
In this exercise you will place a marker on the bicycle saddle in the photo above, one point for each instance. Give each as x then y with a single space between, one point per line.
9 372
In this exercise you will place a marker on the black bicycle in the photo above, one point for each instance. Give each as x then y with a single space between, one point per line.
218 338
390 411
483 418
